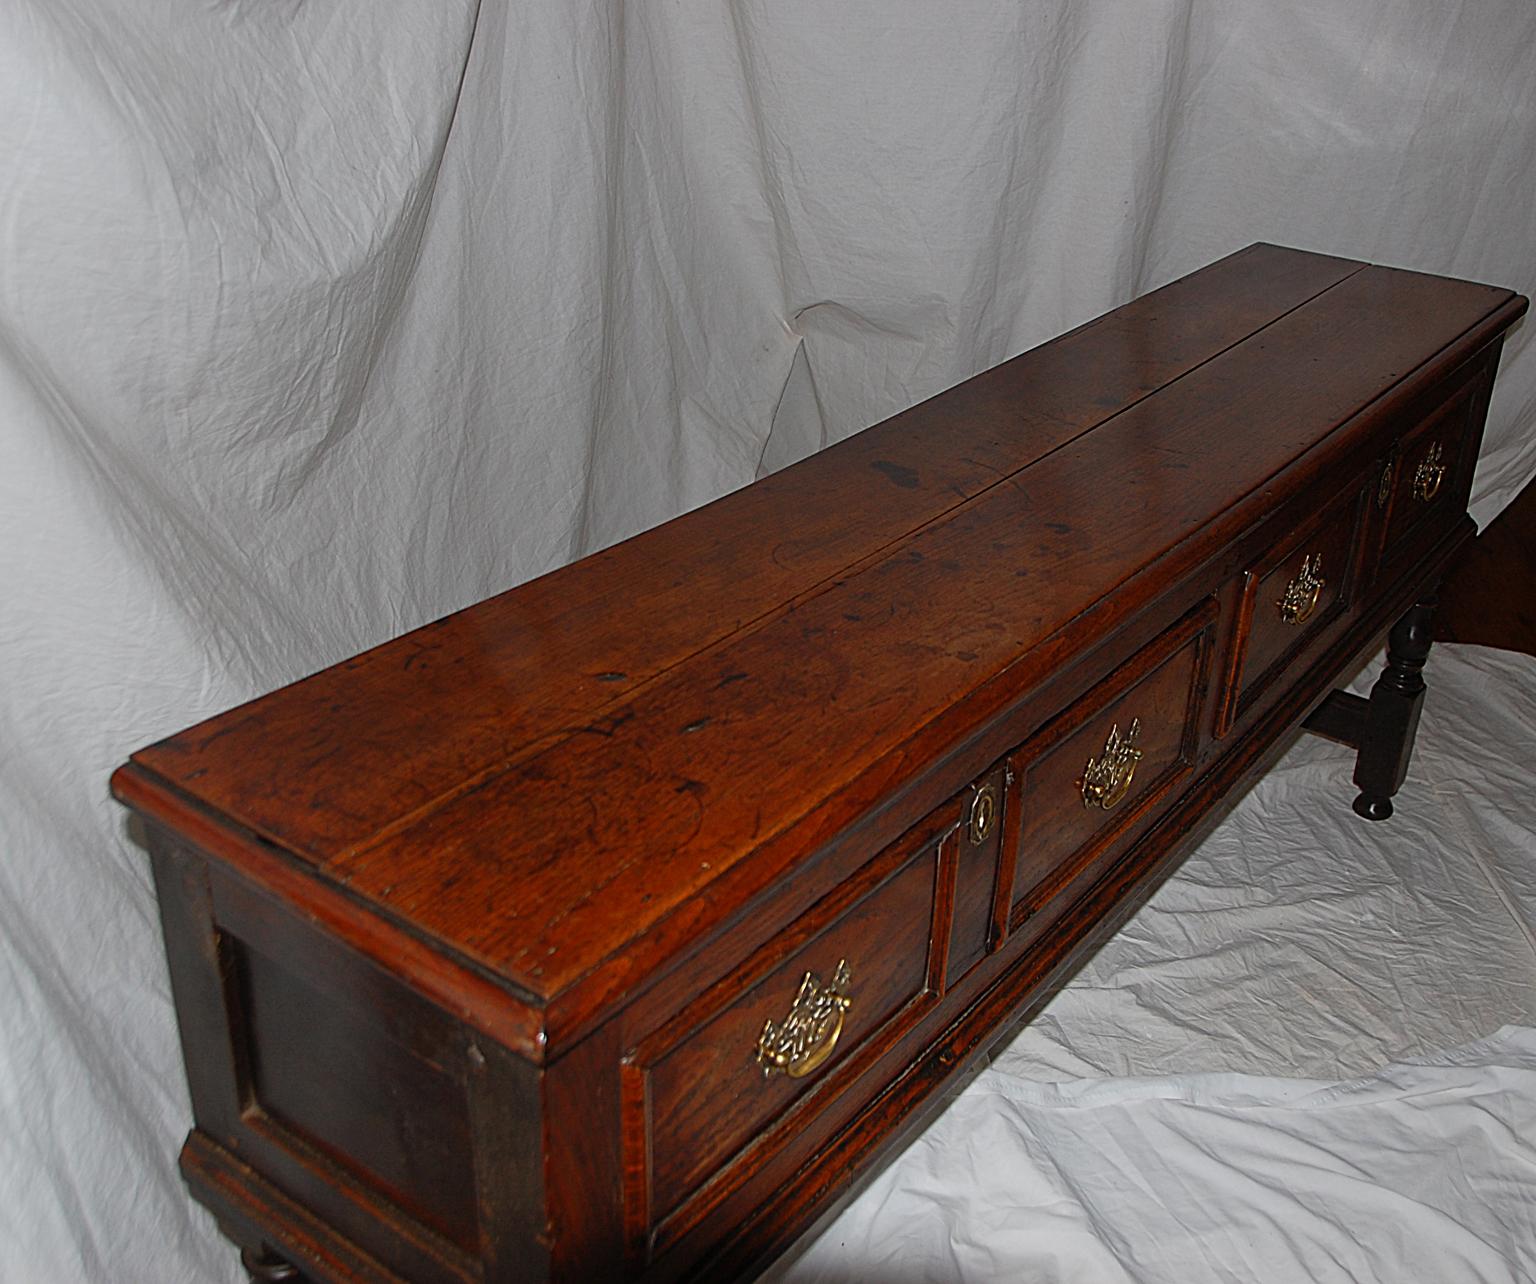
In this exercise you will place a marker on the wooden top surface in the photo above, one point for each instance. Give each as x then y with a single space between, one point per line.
543 782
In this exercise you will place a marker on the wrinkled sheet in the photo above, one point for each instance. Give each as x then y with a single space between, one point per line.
1251 1081
318 321
1425 1170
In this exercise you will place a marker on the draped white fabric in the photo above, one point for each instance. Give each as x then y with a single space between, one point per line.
1425 1170
318 320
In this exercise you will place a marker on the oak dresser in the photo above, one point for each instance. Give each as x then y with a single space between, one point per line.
618 925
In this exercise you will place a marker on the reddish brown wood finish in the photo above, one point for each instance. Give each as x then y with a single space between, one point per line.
533 877
706 1100
1330 546
428 715
978 845
1161 690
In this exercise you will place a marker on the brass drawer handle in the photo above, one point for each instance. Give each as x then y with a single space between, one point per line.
1302 593
1428 475
983 814
803 1041
1107 779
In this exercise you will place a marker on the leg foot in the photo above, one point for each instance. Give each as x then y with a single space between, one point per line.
1372 807
266 1267
1392 713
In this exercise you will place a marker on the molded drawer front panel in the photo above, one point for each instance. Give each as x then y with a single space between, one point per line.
719 1084
1108 761
1296 590
1431 471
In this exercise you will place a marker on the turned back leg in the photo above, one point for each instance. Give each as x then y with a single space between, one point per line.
1392 713
1381 729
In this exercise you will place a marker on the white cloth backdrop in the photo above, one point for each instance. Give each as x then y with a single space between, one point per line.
318 320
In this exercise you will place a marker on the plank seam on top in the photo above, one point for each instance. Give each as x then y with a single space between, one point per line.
1363 407
535 748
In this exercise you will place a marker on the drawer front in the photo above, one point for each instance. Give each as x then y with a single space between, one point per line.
1108 763
714 1093
1293 592
1430 471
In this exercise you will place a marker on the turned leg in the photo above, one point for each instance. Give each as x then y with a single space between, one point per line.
266 1267
1392 713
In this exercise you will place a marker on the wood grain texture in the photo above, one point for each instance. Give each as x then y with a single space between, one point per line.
427 714
817 1175
562 870
543 873
976 875
569 871
472 937
707 1095
1160 691
1330 546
